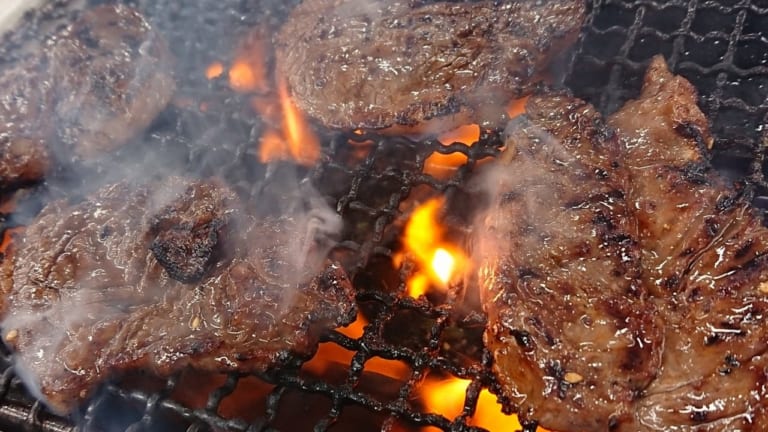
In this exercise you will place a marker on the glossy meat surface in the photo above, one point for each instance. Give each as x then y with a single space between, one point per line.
682 345
113 76
89 299
375 63
571 328
704 251
96 84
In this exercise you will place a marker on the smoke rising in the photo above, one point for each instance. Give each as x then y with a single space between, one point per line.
91 296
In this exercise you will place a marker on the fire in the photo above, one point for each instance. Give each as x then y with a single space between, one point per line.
439 260
214 70
297 142
242 77
330 353
446 397
443 166
517 107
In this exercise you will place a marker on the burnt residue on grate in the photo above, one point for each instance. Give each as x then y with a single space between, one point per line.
371 179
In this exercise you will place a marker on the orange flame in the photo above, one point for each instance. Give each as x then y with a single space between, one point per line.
295 141
446 397
214 70
243 77
439 260
330 353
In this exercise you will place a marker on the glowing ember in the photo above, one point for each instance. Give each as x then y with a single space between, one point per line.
7 240
467 134
517 107
329 354
443 166
214 70
446 397
439 260
242 77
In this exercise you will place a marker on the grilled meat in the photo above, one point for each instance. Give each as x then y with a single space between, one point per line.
704 251
22 161
97 83
90 299
381 63
574 336
113 77
187 232
25 112
626 283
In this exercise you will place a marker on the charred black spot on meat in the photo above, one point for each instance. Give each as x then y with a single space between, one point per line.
712 339
699 415
744 249
523 338
725 203
712 226
601 174
696 173
187 253
106 231
587 310
138 318
671 282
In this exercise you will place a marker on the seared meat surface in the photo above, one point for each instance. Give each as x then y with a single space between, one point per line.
98 83
22 160
619 257
704 251
377 63
574 336
187 232
25 113
113 77
90 299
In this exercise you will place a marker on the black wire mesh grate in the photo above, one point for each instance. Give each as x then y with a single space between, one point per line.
720 46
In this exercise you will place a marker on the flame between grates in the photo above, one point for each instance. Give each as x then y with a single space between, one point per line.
400 342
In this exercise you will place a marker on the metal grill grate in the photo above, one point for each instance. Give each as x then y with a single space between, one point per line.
717 45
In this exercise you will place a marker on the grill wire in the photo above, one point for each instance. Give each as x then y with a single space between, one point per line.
717 45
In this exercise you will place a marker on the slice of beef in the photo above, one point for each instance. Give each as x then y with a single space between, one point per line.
188 232
90 299
704 251
96 84
113 76
23 161
377 63
574 336
25 113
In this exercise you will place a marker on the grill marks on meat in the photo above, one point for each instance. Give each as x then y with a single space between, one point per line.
97 83
704 248
89 298
630 263
571 329
381 63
